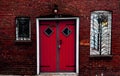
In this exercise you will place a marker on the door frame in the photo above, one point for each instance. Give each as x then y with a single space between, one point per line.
77 40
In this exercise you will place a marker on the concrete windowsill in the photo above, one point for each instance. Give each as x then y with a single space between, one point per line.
100 56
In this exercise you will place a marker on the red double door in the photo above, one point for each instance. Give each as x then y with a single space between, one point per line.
57 46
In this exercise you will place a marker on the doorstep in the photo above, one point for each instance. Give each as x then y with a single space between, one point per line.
48 74
58 74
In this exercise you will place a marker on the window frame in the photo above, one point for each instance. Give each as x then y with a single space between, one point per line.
17 30
109 26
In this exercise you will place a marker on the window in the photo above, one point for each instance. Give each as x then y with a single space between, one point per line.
100 34
48 31
66 31
23 28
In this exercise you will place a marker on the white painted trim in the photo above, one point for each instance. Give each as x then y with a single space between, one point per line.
77 45
37 27
77 40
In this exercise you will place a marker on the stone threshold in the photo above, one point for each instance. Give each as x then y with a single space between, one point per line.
48 74
58 74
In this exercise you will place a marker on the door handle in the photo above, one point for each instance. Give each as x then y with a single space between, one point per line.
59 46
60 42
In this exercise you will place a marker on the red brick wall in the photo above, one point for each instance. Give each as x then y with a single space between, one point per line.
20 58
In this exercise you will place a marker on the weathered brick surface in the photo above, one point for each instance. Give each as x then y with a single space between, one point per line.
21 58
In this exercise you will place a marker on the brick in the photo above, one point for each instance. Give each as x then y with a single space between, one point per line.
21 58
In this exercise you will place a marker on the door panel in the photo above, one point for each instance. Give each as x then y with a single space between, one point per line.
57 46
47 47
67 50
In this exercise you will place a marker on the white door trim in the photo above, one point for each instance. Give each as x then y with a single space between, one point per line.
77 40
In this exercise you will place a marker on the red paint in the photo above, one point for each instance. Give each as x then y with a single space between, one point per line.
52 57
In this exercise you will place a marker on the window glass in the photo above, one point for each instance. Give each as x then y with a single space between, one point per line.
22 28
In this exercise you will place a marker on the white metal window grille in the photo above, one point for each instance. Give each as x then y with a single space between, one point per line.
23 28
100 33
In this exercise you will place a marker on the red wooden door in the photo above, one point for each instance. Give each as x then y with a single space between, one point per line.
57 46
48 46
67 48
